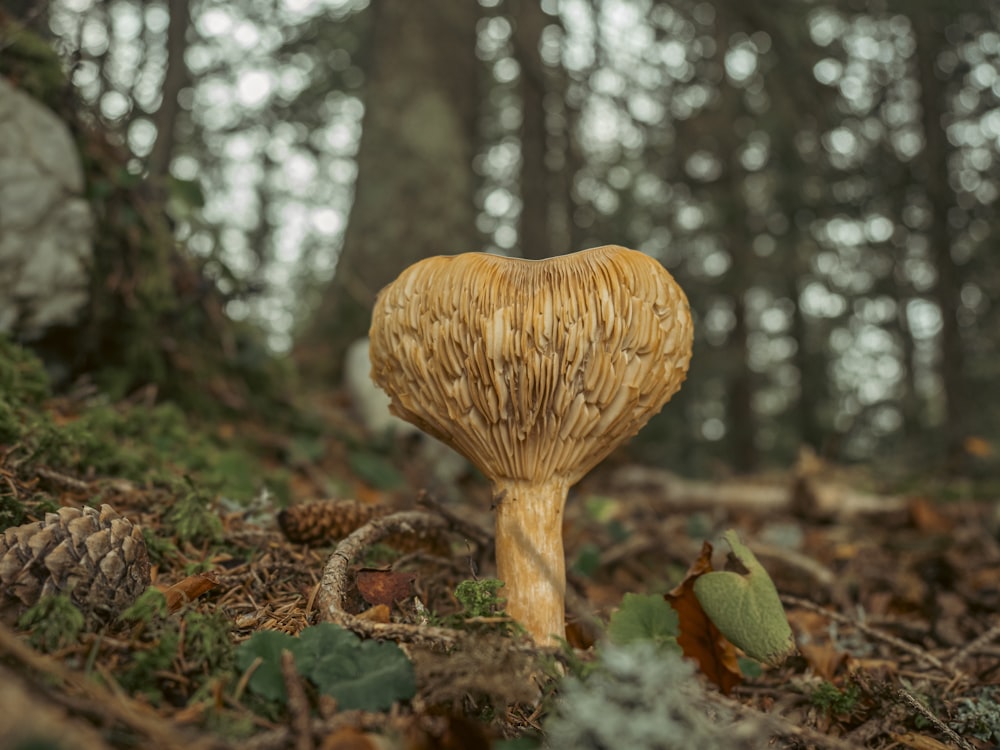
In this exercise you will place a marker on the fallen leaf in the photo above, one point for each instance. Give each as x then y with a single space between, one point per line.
919 741
189 589
977 446
925 517
379 613
698 637
447 733
384 586
824 659
349 738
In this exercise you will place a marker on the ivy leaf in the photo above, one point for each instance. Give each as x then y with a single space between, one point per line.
367 675
744 605
643 617
266 679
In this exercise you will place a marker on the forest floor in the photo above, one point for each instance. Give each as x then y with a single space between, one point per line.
893 596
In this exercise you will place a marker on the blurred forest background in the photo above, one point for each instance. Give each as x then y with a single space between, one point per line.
821 176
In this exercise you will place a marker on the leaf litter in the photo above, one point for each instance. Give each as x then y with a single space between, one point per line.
894 613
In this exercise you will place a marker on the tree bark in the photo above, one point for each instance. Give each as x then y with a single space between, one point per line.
534 236
933 164
176 77
414 195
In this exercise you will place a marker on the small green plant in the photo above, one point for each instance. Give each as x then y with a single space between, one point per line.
744 605
644 618
479 597
191 518
55 622
367 675
833 700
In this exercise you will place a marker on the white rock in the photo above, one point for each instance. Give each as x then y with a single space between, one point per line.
370 404
45 222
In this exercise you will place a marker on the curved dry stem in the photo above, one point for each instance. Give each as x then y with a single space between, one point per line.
333 585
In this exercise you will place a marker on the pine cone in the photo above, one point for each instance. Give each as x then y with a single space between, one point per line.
323 521
96 557
326 521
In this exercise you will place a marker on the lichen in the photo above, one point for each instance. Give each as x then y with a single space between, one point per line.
643 698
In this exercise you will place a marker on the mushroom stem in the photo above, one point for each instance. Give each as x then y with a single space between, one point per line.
529 552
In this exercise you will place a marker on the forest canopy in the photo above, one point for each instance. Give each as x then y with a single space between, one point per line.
821 177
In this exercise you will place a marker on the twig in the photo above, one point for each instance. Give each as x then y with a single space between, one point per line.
65 480
779 725
979 642
921 709
881 635
298 703
901 695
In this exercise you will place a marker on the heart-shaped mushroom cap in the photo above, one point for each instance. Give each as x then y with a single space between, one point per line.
532 369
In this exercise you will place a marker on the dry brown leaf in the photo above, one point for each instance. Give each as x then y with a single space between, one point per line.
349 738
447 733
977 446
924 516
379 613
189 589
920 741
808 624
699 639
823 658
384 586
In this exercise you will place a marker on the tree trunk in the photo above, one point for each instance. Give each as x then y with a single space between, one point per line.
933 164
176 77
534 236
414 195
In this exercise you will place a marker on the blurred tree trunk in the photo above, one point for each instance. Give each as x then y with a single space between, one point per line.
414 195
934 175
741 419
534 235
176 77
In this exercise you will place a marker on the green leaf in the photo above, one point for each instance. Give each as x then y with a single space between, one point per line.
744 605
318 641
266 645
643 617
367 675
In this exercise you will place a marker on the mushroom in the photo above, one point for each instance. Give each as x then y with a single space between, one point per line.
534 370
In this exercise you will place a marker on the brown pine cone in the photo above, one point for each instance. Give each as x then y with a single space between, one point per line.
96 557
328 521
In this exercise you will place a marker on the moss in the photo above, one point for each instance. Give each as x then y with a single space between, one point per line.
55 622
22 376
480 598
190 643
191 519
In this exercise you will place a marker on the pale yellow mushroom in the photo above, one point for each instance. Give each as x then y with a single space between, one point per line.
535 371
